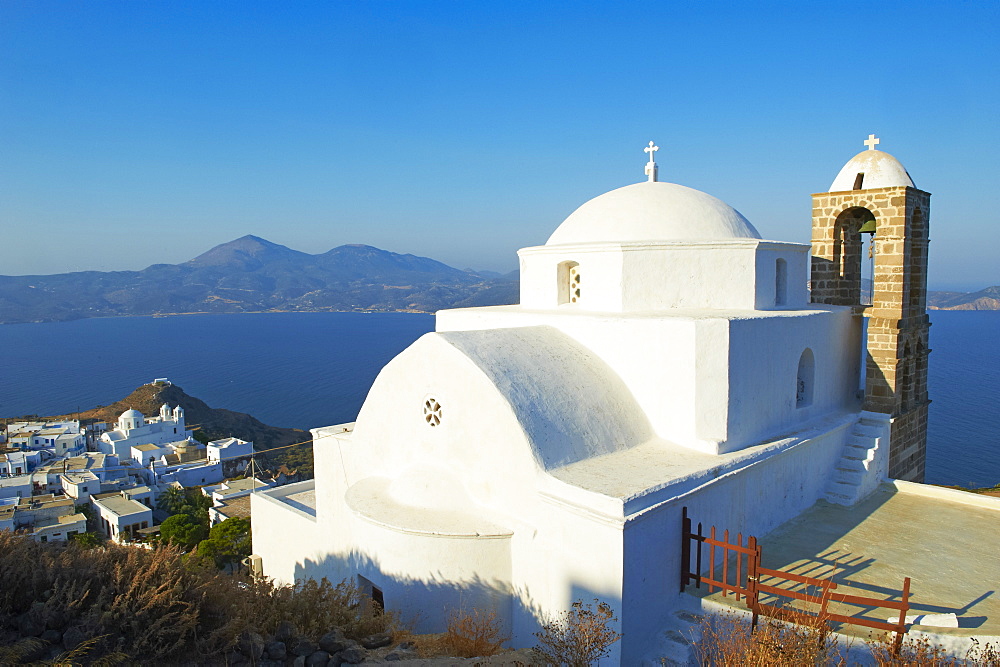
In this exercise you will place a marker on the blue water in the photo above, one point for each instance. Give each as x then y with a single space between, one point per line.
963 430
314 369
286 369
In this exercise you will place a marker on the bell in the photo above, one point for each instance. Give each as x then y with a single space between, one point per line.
868 227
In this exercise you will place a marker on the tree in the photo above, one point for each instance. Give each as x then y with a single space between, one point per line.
176 500
197 504
183 530
227 542
235 534
211 550
172 500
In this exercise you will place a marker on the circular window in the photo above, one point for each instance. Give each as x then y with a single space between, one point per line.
432 411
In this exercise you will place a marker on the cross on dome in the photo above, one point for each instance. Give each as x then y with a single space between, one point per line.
871 142
651 169
652 148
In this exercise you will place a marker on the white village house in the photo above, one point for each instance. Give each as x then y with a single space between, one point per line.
228 448
57 438
121 517
662 356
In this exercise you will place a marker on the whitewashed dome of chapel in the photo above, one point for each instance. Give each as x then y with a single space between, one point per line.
653 211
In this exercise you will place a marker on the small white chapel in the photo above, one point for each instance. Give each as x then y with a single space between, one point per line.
133 428
663 355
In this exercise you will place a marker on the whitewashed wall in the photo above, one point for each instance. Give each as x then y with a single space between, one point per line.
753 500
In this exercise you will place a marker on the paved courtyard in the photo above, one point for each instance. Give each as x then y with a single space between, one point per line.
949 549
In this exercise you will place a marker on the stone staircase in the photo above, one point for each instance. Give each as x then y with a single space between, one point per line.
852 478
675 642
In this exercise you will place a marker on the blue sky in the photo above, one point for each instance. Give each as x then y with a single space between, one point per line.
133 133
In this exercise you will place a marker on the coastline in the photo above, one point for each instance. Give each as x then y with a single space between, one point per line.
412 311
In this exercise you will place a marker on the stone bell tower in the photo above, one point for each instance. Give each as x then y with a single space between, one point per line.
874 194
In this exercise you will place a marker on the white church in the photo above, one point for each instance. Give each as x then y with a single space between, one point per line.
133 429
662 355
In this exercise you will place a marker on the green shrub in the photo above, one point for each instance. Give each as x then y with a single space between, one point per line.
87 540
183 530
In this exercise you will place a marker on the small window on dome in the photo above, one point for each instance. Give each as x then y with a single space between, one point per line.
432 412
859 180
568 276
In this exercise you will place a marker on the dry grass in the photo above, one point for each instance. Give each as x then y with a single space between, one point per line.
726 640
920 651
136 604
580 636
475 634
983 654
802 639
913 651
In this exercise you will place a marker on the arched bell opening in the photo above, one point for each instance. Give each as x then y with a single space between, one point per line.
854 254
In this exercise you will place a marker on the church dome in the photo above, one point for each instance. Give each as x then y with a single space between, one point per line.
653 211
879 169
131 414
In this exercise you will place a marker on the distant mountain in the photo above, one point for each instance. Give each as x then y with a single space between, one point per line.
984 299
252 274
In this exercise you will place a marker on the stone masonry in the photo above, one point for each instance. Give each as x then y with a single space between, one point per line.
897 349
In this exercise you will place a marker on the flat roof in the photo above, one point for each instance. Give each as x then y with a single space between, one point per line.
645 474
76 477
147 447
226 442
942 539
122 506
60 522
41 502
40 498
300 495
245 484
236 507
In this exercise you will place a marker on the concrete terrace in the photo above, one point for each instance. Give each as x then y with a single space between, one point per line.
944 540
300 496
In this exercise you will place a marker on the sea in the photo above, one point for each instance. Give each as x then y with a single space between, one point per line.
304 370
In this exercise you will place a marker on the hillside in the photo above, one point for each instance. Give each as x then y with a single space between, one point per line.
984 299
213 423
251 274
